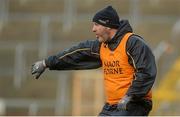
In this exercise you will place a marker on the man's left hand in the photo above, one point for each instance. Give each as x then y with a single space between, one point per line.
123 103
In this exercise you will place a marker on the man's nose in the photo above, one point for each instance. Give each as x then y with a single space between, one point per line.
93 29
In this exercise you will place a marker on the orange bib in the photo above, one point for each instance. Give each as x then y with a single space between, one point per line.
118 73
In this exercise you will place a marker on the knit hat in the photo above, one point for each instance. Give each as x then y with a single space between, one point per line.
107 17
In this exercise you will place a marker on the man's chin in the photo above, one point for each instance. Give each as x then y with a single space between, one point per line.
100 40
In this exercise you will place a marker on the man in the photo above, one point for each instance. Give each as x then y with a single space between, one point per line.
128 64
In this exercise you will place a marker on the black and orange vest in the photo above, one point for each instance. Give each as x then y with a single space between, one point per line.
118 73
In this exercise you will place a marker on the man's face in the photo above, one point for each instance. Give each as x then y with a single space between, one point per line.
102 32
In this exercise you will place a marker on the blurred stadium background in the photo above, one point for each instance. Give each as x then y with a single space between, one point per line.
30 30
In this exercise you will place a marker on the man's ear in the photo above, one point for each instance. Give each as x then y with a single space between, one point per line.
108 28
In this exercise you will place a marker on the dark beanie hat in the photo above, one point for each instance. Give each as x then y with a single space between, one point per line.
107 17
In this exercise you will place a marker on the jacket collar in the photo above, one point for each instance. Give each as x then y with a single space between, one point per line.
124 28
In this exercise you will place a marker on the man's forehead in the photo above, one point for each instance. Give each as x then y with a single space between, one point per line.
95 23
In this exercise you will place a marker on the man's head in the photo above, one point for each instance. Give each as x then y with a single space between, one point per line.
105 23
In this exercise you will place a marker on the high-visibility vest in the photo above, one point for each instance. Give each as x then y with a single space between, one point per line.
118 73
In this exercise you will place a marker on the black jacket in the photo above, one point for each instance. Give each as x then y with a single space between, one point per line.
86 55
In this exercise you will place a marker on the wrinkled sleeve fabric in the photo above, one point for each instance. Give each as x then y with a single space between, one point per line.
84 55
143 60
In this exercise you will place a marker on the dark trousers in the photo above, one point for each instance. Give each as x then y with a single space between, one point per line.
138 108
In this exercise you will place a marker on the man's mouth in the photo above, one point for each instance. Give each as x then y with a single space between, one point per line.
97 36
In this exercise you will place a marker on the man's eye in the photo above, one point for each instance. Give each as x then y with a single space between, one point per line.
96 24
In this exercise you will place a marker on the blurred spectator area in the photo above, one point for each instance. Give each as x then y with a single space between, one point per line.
31 30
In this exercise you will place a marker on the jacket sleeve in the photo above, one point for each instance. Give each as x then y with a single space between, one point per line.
85 55
143 60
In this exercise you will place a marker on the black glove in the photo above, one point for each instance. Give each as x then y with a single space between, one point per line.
123 103
38 68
